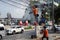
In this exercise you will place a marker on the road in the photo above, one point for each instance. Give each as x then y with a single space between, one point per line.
26 36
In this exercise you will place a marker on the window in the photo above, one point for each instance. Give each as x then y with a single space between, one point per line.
12 27
1 28
18 27
58 26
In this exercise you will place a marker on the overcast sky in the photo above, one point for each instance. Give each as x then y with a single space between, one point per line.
15 11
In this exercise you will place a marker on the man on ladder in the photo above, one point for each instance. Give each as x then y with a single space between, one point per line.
35 12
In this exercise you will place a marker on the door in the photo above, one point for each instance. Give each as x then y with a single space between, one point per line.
18 29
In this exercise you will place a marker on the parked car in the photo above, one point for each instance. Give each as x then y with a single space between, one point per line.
2 31
15 29
49 27
57 27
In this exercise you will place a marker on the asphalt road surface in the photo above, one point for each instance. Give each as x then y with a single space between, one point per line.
24 36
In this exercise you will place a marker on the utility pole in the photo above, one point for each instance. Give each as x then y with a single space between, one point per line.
48 9
53 16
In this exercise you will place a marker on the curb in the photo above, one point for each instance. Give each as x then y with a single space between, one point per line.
29 29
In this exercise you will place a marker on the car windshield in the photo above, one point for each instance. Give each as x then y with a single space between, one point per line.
12 27
47 25
58 26
18 27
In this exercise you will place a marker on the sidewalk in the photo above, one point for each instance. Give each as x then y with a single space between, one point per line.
55 36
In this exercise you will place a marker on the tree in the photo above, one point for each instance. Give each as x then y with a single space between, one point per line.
57 14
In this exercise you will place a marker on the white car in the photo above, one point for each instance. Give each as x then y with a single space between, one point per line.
15 29
2 31
57 27
49 27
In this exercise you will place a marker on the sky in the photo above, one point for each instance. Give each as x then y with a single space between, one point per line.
16 12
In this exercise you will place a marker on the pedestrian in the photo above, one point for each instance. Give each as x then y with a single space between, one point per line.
45 33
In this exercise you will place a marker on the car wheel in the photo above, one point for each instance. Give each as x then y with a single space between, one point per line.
13 32
0 37
22 31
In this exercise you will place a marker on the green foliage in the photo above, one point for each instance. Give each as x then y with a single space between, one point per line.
57 13
29 27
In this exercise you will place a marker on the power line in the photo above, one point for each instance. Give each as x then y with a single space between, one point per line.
11 4
25 2
17 3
